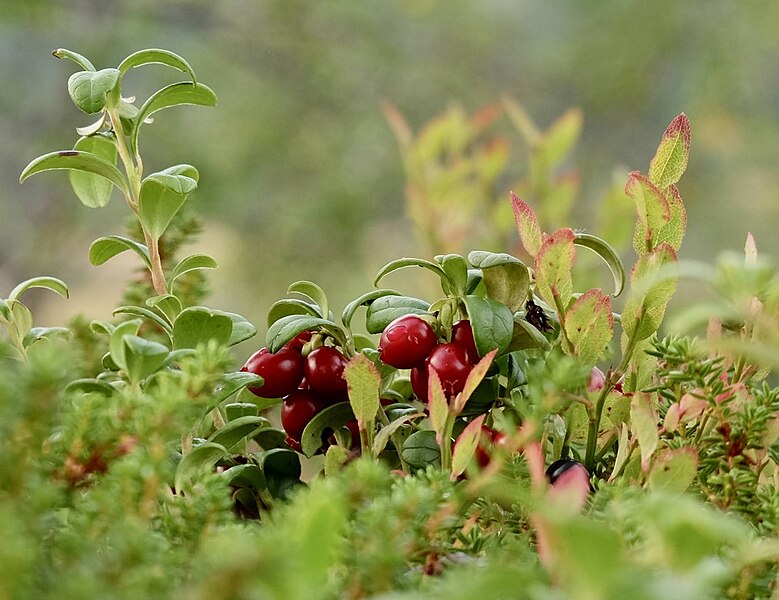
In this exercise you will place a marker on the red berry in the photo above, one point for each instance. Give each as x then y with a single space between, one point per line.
462 335
324 368
282 372
298 409
297 342
419 382
451 363
406 342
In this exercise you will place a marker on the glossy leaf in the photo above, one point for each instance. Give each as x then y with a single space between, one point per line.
173 95
674 470
105 248
50 283
77 58
465 448
246 476
168 306
139 311
191 263
363 381
116 345
492 324
589 324
291 306
238 430
609 255
198 324
527 225
386 309
93 190
162 195
553 266
230 384
403 263
242 328
198 460
268 438
77 160
283 330
506 278
313 292
40 333
670 160
332 418
236 410
420 450
281 467
88 89
142 357
366 299
456 270
156 56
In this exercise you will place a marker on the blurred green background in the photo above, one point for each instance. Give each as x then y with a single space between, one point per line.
301 177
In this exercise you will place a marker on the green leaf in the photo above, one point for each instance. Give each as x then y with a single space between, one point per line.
162 195
473 380
198 324
246 476
236 410
193 262
561 137
50 283
589 324
526 337
87 386
506 278
281 467
230 384
238 430
116 345
335 458
77 58
242 328
674 470
609 256
386 309
139 311
672 233
653 209
142 357
21 320
173 95
385 433
553 266
291 306
288 327
492 324
200 459
105 248
331 418
168 306
88 89
456 270
39 333
366 299
313 292
402 263
5 311
363 381
437 405
93 190
643 424
420 450
156 56
77 160
527 225
268 437
670 159
465 447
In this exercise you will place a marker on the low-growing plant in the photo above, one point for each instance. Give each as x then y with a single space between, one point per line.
515 434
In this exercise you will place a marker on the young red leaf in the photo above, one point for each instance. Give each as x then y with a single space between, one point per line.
670 160
527 225
553 266
589 324
437 405
465 447
653 208
473 380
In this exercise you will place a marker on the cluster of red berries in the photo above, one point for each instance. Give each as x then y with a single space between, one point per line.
410 342
308 384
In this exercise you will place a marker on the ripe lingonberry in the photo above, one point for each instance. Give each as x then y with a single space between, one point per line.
406 342
282 371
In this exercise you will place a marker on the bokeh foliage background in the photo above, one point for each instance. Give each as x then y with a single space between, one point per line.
301 177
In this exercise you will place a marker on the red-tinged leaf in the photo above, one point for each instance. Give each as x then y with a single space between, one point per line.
363 381
654 279
437 405
473 380
750 250
527 225
672 233
589 324
465 447
553 266
643 424
674 470
652 207
670 160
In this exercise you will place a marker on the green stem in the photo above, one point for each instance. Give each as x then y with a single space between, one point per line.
561 317
446 444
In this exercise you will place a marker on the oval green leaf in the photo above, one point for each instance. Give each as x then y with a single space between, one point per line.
50 283
420 450
238 430
143 357
139 311
191 263
88 89
79 161
386 309
198 324
288 327
156 56
402 263
232 383
312 291
291 306
93 190
492 324
105 248
366 299
200 459
162 195
77 58
332 418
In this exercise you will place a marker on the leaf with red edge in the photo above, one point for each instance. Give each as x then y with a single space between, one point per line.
465 447
437 404
473 380
553 266
589 324
653 209
527 225
672 233
670 159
